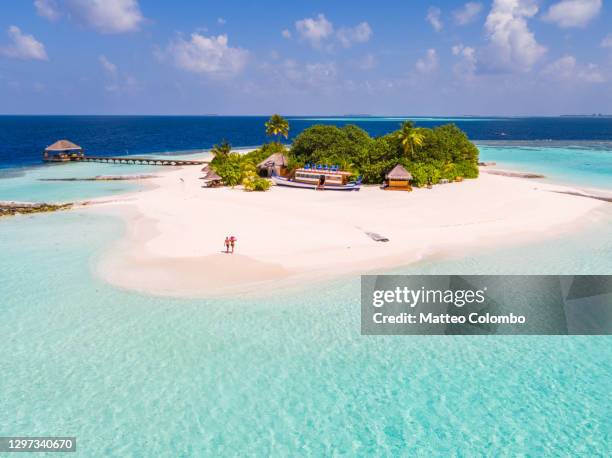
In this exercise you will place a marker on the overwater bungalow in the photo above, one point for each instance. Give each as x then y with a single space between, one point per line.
62 151
275 164
398 179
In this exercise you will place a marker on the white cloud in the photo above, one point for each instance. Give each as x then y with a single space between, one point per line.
466 67
286 34
433 17
221 21
314 29
321 72
429 63
106 16
607 41
361 33
573 13
47 9
107 65
315 75
23 46
512 46
468 13
567 69
210 56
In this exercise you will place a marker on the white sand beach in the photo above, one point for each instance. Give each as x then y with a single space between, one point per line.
175 230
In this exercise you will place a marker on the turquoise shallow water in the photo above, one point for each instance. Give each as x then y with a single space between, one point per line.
132 375
586 164
27 184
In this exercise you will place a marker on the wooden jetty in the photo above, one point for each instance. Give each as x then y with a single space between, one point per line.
138 160
67 151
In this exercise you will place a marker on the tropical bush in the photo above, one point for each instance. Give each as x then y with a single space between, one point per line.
238 169
229 168
253 182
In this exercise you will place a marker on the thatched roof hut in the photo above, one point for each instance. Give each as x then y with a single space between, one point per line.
398 179
274 164
399 173
62 150
63 145
210 178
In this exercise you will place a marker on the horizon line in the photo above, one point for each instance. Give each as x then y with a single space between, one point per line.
356 115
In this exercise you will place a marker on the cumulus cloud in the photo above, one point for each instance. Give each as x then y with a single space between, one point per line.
361 33
433 17
211 56
429 63
466 67
314 30
468 13
286 34
47 9
512 46
106 16
573 13
567 69
23 46
607 41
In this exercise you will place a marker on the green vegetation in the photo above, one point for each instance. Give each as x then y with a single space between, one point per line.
430 155
253 182
222 149
277 126
238 169
410 138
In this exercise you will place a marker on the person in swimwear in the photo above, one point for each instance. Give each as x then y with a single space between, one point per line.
227 244
232 241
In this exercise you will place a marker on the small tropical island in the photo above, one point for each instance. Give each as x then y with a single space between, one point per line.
430 156
286 238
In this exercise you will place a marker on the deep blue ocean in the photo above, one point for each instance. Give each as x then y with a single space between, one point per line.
22 138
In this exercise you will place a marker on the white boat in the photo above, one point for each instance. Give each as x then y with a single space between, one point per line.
320 179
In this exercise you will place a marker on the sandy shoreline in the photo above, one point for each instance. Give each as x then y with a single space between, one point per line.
175 230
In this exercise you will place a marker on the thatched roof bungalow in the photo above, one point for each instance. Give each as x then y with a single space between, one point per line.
398 179
62 150
274 164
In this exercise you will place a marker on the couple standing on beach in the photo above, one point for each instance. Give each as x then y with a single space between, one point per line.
230 242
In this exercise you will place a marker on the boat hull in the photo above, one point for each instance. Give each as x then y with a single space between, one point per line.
279 181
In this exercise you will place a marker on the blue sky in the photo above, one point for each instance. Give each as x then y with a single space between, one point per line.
501 57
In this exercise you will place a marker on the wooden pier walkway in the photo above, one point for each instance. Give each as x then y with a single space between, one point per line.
138 160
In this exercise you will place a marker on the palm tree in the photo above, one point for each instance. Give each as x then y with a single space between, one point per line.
222 150
277 126
410 137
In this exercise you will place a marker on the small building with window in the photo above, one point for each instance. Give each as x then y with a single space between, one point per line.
62 151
